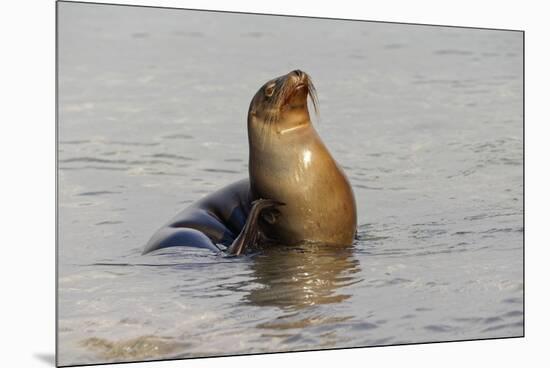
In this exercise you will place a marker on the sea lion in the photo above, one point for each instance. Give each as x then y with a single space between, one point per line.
295 193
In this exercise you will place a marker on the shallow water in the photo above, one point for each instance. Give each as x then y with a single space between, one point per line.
426 121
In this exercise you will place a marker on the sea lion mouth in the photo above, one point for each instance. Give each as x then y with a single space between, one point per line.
301 87
298 83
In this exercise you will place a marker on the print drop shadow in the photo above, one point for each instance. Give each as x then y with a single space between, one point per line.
47 358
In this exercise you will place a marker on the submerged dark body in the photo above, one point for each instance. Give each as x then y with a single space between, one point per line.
296 192
217 218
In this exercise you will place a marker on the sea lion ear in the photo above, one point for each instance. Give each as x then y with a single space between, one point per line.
269 89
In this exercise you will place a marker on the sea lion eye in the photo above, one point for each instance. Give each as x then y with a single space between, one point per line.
269 90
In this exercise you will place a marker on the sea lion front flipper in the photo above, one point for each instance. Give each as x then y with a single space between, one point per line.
250 234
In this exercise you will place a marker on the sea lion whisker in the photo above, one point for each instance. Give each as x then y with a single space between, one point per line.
312 94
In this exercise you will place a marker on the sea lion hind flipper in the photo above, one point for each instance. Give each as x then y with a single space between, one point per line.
250 234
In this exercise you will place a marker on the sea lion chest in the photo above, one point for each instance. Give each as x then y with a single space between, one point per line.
298 170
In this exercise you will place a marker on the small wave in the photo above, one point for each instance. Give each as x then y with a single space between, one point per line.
473 320
439 328
142 166
113 153
490 320
388 282
452 52
130 143
370 237
455 83
463 233
423 309
515 313
99 192
109 223
503 230
368 187
222 171
141 347
169 155
393 46
363 326
94 168
504 326
117 161
427 233
74 142
500 145
513 300
178 136
189 34
491 215
253 34
140 35
292 323
431 223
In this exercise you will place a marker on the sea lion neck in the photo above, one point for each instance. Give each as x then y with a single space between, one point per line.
262 135
294 115
293 119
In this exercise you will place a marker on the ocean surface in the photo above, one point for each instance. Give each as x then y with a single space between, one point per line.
426 122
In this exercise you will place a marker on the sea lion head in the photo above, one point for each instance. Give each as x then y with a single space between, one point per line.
282 104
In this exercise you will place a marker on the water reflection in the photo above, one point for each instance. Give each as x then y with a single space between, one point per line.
302 276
